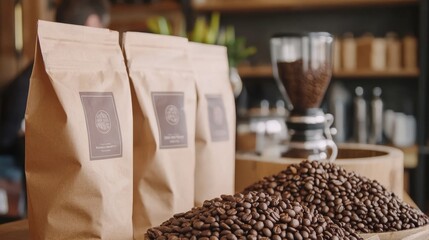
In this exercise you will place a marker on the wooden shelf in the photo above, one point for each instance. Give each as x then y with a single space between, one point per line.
162 6
376 74
265 71
133 17
277 5
259 71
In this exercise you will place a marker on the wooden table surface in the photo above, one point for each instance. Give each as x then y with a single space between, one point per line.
14 231
19 230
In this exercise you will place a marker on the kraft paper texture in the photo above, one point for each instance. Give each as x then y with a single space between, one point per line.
79 94
215 125
164 105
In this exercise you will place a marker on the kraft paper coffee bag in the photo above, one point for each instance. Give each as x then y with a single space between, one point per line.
215 124
164 104
79 136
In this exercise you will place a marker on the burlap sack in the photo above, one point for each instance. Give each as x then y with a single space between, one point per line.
79 136
164 102
215 125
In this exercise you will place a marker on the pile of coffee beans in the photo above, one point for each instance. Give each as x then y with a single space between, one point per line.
350 200
254 215
304 82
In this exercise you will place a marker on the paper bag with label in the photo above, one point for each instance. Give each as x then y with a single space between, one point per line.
164 102
215 124
79 136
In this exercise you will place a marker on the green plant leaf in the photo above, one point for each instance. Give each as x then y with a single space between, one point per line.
237 51
164 27
213 30
230 34
152 25
250 51
200 30
221 39
212 34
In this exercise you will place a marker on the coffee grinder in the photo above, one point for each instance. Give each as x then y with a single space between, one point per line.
302 67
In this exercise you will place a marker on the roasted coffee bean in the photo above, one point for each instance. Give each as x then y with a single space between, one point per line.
247 205
351 201
258 226
306 222
197 224
263 206
266 232
294 223
221 211
253 216
247 217
308 186
269 224
276 237
210 220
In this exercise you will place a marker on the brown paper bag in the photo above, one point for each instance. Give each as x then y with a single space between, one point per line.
164 102
79 136
215 125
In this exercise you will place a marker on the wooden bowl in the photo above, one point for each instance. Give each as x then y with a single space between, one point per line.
421 233
382 163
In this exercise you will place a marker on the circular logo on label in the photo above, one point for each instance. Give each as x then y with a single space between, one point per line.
172 115
102 122
218 115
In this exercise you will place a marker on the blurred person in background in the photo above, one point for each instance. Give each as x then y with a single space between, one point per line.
92 13
13 98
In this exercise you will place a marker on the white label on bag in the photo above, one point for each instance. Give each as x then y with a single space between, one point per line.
102 122
170 114
217 118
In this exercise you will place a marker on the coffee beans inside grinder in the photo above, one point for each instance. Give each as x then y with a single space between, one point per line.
302 66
